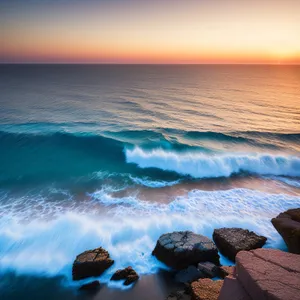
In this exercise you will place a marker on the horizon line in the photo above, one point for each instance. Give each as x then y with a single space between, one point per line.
154 64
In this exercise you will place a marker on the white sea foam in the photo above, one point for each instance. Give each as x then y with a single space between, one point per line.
201 165
153 183
130 228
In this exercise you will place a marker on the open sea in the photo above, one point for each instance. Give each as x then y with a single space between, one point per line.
116 155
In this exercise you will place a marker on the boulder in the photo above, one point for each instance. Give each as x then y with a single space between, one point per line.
264 274
91 286
127 274
188 275
288 226
232 240
225 271
184 248
180 295
209 269
91 263
206 289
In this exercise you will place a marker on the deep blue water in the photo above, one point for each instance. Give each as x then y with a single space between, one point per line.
115 155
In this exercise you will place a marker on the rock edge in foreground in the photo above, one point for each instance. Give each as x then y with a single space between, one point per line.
264 274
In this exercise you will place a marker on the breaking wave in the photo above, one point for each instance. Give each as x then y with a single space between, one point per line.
200 165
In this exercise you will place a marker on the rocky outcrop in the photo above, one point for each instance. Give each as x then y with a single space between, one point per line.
288 225
184 248
206 289
127 274
91 286
264 274
91 263
232 240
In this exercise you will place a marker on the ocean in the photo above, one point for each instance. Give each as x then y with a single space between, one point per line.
116 155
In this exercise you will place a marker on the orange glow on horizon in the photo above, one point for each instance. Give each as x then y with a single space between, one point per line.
107 55
199 32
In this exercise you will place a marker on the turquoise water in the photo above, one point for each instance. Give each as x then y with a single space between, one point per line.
116 155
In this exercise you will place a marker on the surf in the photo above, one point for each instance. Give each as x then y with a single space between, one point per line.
199 165
129 223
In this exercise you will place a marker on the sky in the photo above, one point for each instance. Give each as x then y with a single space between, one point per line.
150 31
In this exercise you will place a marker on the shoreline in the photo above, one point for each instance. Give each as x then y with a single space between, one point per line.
153 286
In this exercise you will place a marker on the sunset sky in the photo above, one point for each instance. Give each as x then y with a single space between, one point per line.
150 31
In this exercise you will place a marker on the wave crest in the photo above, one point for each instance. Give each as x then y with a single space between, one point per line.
201 165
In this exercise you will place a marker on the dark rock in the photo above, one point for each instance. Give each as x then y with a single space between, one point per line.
189 274
225 271
288 226
91 263
232 240
128 274
120 274
91 286
180 295
184 248
206 289
269 274
209 269
130 279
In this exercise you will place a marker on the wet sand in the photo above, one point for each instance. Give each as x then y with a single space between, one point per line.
169 193
149 287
